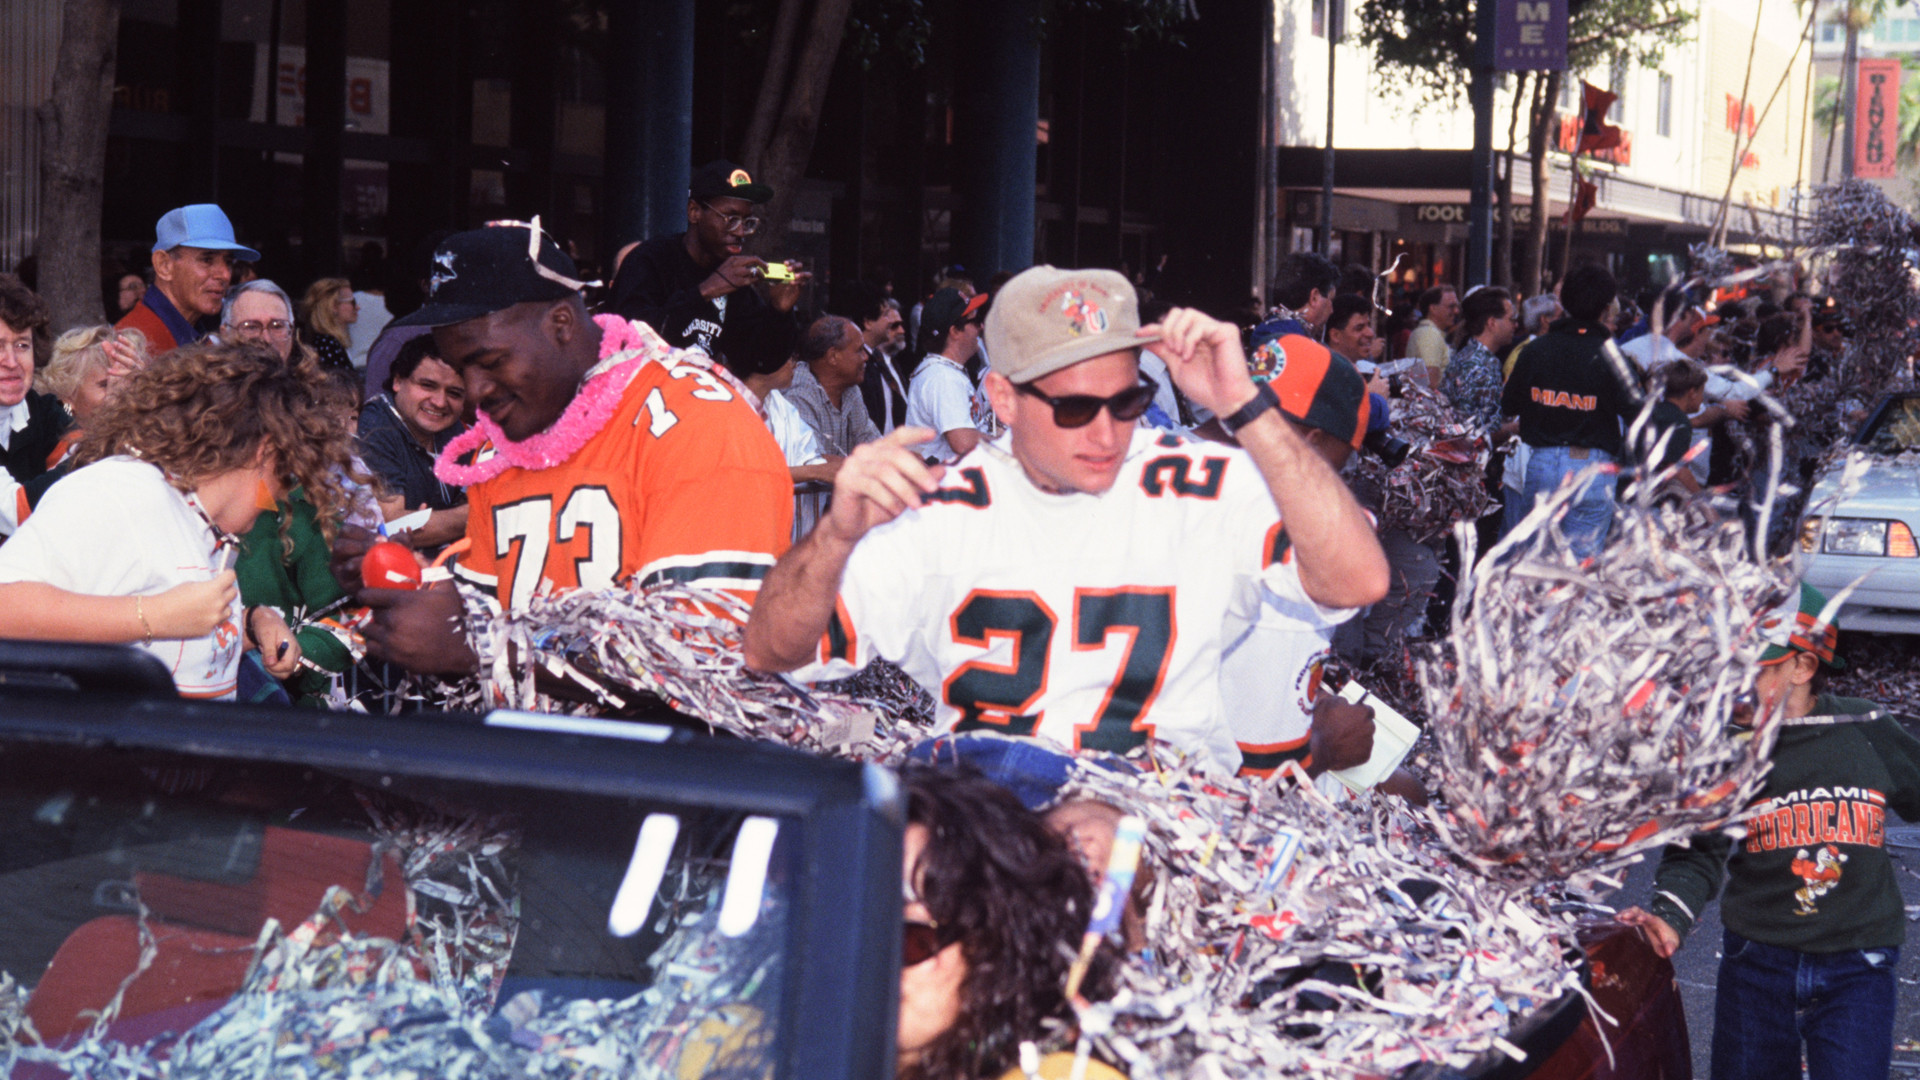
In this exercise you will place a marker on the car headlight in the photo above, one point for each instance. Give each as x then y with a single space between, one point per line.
1863 536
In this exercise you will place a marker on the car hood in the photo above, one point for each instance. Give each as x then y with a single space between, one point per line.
1890 486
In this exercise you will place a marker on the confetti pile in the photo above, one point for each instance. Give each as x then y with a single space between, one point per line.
1288 936
1611 736
1442 480
320 1002
1872 241
680 645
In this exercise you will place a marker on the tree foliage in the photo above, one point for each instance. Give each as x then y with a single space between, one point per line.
1426 46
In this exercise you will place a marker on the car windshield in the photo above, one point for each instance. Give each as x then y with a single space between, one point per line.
1896 429
171 916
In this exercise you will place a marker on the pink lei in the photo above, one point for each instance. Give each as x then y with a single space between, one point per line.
585 415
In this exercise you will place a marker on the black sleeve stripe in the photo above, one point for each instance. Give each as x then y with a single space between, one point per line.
723 570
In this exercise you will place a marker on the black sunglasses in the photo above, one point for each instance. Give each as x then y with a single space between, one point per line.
920 941
1078 410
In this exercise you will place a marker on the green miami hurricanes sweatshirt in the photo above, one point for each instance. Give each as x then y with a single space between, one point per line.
1812 873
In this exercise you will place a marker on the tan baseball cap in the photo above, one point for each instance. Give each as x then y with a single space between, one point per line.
1047 318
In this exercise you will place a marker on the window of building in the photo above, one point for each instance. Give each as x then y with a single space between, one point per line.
1829 33
1617 83
1663 124
1319 18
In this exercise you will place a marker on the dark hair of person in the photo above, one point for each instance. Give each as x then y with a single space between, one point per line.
1345 307
1018 900
407 360
1681 377
823 336
1301 273
1152 310
343 389
20 307
861 301
1355 279
1765 309
1588 291
1481 308
757 344
1776 332
1431 297
206 409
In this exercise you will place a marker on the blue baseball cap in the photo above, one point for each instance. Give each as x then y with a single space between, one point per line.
202 225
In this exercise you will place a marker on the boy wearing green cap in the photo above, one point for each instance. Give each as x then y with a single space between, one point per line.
1814 918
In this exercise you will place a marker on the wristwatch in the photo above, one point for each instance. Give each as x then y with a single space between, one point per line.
1263 400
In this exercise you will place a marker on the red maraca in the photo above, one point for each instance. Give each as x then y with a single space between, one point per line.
388 565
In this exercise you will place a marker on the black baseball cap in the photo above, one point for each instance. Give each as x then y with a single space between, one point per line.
481 271
724 180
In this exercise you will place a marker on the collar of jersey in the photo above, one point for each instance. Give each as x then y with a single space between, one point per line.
625 348
1001 450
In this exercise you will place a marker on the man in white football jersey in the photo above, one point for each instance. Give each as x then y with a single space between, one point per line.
1072 579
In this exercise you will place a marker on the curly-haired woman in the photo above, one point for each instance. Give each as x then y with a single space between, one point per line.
137 544
326 311
995 909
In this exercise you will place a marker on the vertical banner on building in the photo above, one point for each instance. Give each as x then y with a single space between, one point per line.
1876 118
1529 35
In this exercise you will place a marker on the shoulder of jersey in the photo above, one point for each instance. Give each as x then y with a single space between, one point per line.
1175 466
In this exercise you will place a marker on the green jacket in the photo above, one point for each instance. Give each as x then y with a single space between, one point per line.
298 585
1812 872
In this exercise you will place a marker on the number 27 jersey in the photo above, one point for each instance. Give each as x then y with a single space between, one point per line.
1095 621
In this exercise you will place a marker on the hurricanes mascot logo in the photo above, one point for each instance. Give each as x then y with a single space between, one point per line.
1084 315
1818 875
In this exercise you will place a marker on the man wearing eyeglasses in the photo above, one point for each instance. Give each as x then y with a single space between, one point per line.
1073 579
687 286
193 255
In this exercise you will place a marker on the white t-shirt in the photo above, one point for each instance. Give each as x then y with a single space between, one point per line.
940 397
1090 620
798 442
1650 351
117 528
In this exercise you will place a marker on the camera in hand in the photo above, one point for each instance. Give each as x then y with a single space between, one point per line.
777 271
1389 450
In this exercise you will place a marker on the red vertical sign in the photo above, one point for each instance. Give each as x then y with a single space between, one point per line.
1876 118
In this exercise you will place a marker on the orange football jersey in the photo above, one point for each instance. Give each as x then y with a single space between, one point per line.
683 484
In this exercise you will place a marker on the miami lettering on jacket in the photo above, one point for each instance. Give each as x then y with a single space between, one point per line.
1562 400
1838 815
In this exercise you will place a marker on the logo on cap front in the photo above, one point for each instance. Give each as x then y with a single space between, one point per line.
738 178
1084 316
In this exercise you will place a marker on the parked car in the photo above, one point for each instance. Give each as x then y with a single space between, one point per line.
1871 532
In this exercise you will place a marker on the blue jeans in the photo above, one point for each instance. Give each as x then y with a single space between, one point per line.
1591 514
1771 1000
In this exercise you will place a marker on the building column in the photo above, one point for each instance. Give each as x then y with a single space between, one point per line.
322 164
996 124
649 119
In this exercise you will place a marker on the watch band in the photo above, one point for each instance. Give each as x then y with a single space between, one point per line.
1263 399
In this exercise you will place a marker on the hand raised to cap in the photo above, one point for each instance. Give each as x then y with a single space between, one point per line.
1204 358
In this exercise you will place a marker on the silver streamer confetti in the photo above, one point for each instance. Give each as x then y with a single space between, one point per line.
1612 736
1289 936
1442 480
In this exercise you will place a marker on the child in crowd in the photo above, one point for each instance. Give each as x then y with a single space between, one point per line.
137 544
1668 433
1814 918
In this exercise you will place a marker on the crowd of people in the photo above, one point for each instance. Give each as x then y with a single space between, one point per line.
937 485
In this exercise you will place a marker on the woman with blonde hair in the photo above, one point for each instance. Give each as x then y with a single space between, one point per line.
87 364
137 543
325 313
